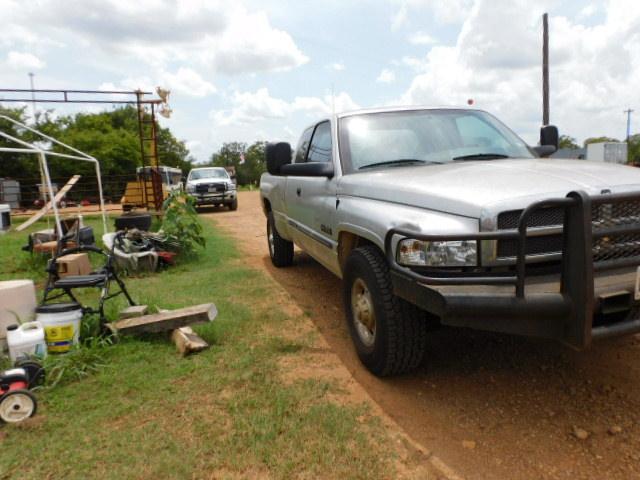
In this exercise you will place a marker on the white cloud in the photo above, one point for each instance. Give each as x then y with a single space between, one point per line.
449 11
595 69
253 107
250 107
337 66
386 76
187 82
421 38
23 61
588 11
251 44
217 35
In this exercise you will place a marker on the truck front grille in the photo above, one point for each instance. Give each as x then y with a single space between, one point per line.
612 247
545 217
621 245
210 187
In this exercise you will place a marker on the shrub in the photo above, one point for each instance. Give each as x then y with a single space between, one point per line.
181 222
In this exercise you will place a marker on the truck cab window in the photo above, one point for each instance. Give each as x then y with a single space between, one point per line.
320 149
303 146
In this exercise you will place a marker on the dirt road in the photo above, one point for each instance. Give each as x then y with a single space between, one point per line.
491 406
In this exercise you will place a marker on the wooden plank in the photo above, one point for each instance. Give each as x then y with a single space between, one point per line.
166 321
43 211
187 341
133 311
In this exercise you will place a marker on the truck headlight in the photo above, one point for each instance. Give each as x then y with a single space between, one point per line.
231 186
191 188
419 253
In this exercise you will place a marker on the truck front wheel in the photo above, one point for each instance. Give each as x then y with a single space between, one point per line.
280 250
388 333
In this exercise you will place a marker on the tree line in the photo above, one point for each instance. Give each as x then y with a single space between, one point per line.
112 137
633 147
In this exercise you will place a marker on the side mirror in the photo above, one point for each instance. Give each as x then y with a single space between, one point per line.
549 136
277 155
309 169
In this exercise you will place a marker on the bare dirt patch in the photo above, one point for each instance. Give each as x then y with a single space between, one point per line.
493 406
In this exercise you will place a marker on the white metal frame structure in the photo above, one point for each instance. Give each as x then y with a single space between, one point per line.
42 157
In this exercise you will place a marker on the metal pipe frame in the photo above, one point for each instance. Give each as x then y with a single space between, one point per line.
42 156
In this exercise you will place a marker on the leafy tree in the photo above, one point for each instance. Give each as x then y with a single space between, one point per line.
634 148
14 164
230 155
599 140
111 136
566 141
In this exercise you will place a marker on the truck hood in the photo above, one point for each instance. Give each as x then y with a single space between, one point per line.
481 189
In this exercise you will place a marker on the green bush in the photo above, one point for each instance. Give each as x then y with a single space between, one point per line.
181 222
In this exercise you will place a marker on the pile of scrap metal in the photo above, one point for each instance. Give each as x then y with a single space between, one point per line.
141 251
48 241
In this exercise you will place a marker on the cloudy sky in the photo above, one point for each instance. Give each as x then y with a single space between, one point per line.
264 69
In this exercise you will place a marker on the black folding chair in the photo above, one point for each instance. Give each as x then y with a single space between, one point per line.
101 279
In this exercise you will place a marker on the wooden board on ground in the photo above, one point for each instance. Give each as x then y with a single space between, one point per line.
42 212
166 321
188 341
133 311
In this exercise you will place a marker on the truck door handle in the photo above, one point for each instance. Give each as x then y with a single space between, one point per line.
298 191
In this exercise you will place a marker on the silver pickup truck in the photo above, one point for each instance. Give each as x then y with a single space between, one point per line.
445 216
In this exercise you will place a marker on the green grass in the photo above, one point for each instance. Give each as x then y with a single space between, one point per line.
222 413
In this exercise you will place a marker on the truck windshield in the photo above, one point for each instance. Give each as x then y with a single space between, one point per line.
391 139
208 173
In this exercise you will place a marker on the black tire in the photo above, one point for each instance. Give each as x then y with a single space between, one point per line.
396 342
141 221
233 205
35 371
280 250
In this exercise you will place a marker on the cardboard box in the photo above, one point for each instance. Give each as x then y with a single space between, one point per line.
74 264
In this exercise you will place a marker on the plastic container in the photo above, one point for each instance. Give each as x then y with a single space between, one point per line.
17 305
5 217
61 322
26 340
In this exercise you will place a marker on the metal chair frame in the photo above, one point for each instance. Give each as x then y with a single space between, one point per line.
101 279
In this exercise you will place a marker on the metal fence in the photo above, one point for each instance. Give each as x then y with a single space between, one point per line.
29 192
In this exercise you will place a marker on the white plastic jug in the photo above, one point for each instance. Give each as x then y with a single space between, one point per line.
26 340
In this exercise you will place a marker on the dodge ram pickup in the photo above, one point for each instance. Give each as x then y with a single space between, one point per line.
212 186
445 216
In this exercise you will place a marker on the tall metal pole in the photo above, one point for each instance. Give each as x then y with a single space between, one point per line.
545 70
33 97
628 112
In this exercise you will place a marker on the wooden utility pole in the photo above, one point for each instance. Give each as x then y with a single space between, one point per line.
545 70
628 112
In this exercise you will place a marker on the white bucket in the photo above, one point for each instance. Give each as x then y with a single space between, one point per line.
61 322
26 340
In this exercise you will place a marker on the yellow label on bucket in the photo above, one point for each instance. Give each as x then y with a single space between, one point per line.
59 338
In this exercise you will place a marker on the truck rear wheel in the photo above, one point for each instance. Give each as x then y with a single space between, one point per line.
280 250
389 333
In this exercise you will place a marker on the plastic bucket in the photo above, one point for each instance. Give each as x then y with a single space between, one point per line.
61 322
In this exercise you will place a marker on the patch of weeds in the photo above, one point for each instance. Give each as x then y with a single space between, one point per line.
81 361
282 345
